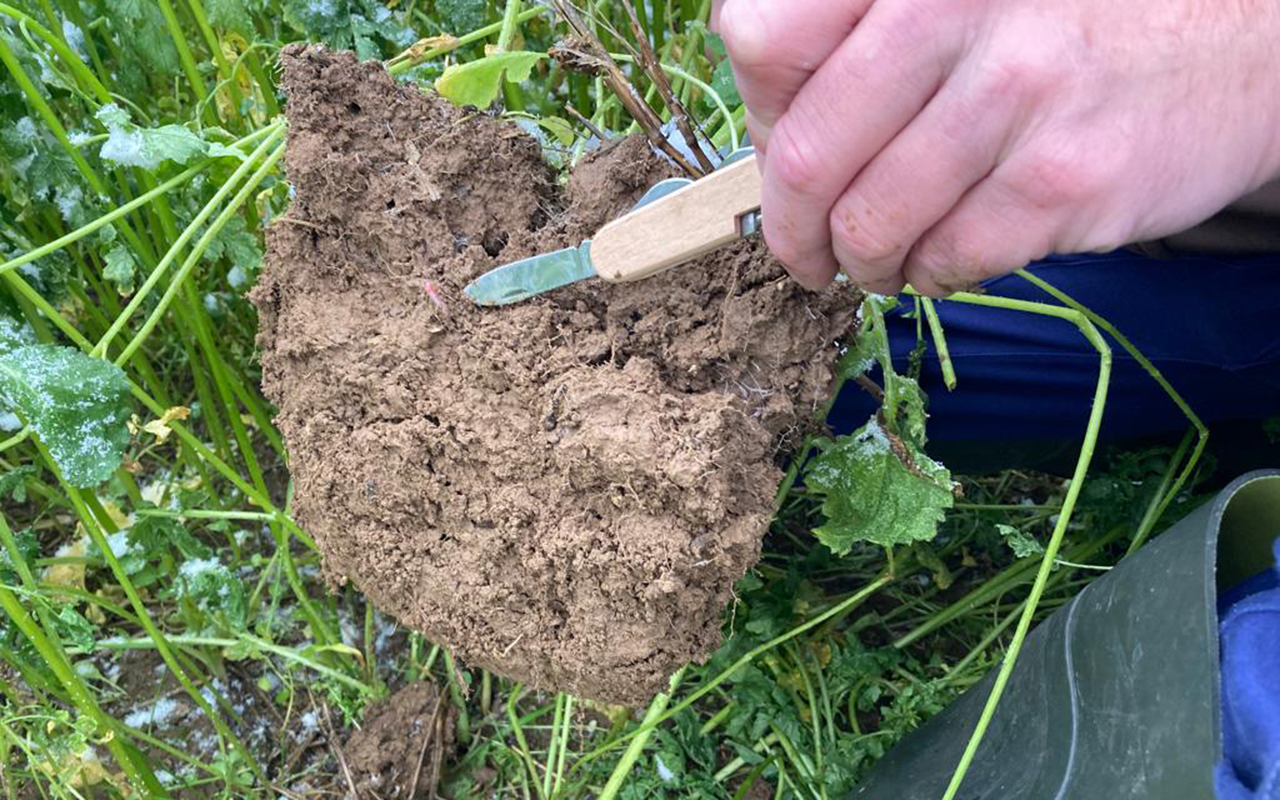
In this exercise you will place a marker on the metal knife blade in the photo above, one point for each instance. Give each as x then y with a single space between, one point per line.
629 256
522 279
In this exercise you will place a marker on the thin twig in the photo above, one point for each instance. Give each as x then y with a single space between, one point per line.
648 61
429 734
331 738
591 126
585 53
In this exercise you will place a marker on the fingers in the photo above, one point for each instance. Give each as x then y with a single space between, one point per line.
775 47
863 96
1055 194
920 176
992 231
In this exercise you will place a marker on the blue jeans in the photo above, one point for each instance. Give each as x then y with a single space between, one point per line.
1026 382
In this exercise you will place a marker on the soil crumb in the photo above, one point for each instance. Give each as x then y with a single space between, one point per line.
562 490
398 751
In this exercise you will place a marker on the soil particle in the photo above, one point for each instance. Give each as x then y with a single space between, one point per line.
403 737
562 490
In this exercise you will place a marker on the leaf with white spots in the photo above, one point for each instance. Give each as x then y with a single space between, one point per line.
870 494
76 405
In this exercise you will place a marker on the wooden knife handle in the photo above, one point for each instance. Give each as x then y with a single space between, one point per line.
683 225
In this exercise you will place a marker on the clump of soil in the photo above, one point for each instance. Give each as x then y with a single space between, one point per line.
399 748
562 490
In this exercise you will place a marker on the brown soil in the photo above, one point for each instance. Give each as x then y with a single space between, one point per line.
563 490
398 751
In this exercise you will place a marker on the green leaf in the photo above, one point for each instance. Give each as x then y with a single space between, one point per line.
214 589
119 268
231 14
559 128
869 494
1020 542
74 629
724 85
76 405
14 334
476 83
460 16
237 245
131 146
142 29
13 484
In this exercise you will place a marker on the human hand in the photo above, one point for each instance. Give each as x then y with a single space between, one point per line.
941 142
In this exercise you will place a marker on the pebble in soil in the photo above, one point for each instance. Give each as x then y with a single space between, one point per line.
562 490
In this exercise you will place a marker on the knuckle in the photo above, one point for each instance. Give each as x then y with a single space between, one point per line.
1018 78
863 237
793 160
1059 179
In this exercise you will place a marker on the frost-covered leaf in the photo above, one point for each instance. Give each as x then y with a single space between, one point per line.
461 16
214 589
859 358
119 268
476 83
74 403
74 629
35 170
1020 542
869 494
28 545
231 14
220 150
131 146
14 334
142 30
359 25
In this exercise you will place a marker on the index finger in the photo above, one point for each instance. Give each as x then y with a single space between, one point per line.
775 47
874 83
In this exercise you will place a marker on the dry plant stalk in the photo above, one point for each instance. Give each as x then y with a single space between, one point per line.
585 53
648 61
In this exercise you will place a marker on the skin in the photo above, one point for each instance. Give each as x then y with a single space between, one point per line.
942 142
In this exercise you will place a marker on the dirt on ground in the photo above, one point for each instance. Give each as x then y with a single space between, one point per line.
562 490
400 747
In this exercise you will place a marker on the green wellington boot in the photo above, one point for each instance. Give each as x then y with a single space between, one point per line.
1115 695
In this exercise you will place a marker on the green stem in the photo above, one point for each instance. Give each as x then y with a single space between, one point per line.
190 231
853 600
188 60
641 739
1155 374
510 16
939 342
106 219
64 52
408 60
526 755
286 653
1090 333
137 770
219 58
88 519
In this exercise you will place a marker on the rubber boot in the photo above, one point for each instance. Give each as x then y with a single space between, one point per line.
1116 695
